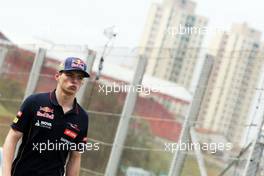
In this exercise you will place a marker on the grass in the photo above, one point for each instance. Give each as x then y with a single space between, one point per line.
191 168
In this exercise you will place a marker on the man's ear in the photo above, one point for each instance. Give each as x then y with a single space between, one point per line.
57 75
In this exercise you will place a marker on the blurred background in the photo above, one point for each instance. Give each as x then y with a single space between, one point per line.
163 73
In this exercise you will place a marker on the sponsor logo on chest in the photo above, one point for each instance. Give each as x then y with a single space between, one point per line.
46 112
43 124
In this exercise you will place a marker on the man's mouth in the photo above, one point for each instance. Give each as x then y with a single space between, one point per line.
73 87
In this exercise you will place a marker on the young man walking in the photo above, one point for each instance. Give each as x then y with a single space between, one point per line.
52 126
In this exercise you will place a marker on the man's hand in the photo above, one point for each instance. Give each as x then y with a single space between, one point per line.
74 164
9 148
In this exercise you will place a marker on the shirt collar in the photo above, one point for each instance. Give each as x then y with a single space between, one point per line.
53 100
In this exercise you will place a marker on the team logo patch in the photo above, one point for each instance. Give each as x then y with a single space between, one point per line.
70 133
46 109
46 112
15 120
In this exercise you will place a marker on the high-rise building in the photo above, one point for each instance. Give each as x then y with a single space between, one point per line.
172 40
233 81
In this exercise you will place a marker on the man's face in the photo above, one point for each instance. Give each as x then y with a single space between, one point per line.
69 81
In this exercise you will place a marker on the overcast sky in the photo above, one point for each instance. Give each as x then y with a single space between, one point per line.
83 21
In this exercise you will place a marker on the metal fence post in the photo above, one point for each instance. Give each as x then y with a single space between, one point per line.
89 60
35 72
122 130
3 52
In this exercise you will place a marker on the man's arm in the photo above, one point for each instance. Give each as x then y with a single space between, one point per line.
9 148
74 164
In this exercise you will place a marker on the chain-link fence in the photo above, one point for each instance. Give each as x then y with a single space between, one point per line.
226 114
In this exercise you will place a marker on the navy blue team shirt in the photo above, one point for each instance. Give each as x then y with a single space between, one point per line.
48 135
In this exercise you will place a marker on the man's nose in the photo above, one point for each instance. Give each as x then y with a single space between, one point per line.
74 79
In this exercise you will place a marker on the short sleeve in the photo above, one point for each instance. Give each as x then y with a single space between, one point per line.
81 139
22 120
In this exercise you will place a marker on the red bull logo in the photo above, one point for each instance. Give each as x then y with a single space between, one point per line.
46 109
78 64
46 112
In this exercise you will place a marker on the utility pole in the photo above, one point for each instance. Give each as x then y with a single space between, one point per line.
121 133
256 152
